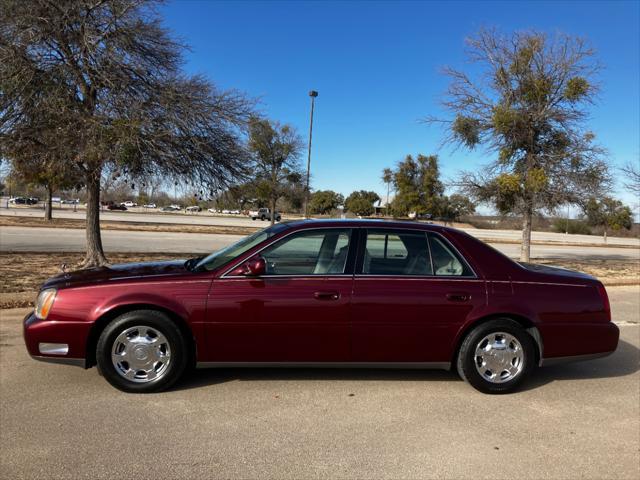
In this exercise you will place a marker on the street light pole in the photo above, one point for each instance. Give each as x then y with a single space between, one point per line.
313 94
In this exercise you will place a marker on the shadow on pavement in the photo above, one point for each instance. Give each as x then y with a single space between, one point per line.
625 361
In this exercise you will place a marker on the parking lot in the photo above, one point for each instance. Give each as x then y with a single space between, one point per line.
573 421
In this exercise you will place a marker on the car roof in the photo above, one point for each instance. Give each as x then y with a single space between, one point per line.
370 223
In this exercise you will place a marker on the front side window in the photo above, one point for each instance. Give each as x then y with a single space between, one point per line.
225 255
399 252
311 252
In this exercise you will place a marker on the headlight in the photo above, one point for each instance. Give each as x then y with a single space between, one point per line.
45 302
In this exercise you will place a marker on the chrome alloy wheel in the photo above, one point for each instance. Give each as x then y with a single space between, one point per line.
141 354
499 357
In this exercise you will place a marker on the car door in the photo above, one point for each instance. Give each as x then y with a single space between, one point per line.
412 292
298 311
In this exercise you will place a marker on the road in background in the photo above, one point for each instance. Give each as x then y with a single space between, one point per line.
35 239
572 421
205 218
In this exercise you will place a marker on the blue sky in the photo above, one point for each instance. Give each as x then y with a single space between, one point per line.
377 67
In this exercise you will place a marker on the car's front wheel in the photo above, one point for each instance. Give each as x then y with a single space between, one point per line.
497 356
142 351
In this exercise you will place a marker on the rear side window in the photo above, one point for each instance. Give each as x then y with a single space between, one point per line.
446 261
401 252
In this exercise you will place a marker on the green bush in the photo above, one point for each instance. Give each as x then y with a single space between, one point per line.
578 227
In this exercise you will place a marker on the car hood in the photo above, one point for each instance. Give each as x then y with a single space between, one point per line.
122 271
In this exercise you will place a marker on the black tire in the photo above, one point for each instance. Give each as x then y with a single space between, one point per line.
157 321
263 218
466 362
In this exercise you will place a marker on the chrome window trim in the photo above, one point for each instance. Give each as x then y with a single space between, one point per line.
336 276
380 276
351 228
446 241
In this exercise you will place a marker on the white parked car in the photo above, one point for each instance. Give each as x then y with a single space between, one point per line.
194 208
263 214
213 210
149 205
129 204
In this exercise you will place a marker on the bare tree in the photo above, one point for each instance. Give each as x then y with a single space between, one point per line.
115 72
276 151
528 106
632 180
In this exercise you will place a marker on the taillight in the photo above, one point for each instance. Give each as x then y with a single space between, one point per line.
605 300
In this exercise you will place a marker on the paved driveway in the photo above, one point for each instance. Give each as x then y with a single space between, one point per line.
573 421
29 239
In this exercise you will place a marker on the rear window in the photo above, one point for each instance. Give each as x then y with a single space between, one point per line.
446 262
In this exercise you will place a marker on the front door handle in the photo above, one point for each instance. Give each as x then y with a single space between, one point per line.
326 295
458 296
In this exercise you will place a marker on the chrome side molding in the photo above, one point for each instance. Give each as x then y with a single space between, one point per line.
393 365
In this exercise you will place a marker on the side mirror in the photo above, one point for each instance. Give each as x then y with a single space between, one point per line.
254 267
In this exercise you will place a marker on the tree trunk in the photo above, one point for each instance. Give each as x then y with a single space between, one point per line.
273 210
95 254
48 205
386 210
525 249
605 234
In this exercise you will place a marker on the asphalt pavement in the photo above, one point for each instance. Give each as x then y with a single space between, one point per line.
579 420
139 215
36 239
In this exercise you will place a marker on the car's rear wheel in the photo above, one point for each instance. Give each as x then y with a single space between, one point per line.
497 356
142 351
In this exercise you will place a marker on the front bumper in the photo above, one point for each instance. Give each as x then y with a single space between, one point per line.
56 342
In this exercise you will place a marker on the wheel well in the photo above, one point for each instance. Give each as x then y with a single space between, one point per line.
524 322
100 324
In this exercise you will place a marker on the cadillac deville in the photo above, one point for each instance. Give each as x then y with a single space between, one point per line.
338 293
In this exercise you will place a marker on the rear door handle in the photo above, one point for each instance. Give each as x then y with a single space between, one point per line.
458 296
326 295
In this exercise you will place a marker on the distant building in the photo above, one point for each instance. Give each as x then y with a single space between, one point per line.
380 206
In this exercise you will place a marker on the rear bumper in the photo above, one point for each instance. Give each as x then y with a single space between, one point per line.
575 342
55 342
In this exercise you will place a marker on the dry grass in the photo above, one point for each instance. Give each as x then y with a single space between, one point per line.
25 272
610 272
21 274
7 221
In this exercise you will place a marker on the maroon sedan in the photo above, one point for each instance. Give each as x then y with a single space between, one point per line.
325 293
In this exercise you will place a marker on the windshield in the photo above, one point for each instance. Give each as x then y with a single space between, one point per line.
220 257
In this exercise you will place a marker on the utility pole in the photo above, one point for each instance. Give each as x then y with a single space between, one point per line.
313 94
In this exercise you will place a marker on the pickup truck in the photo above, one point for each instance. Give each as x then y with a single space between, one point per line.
263 214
